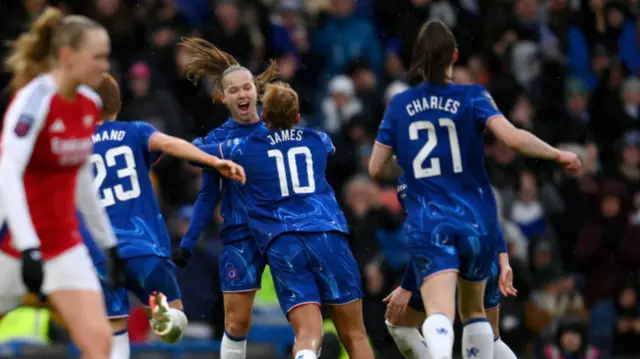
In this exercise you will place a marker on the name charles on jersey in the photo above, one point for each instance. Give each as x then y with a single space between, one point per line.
432 103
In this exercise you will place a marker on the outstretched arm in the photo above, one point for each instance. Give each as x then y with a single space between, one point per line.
180 148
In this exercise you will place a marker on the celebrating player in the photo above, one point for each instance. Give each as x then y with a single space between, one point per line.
435 130
405 311
122 156
241 263
44 174
297 222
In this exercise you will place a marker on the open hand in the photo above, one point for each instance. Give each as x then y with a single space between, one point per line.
397 302
506 281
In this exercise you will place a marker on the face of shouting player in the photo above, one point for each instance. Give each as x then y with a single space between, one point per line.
240 96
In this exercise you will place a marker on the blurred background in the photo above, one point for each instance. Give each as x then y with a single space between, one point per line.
566 70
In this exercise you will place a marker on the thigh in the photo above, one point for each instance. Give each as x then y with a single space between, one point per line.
433 253
335 270
148 274
241 266
293 278
476 257
71 270
116 299
12 288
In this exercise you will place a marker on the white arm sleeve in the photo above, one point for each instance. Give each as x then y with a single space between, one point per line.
88 203
23 122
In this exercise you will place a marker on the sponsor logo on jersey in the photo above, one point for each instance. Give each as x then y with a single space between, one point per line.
24 124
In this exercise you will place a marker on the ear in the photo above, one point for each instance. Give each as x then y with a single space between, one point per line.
65 53
456 54
297 121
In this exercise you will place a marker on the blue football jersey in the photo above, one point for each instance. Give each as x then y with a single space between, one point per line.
436 134
235 226
122 159
286 189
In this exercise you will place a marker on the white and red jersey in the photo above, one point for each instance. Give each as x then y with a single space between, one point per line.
46 141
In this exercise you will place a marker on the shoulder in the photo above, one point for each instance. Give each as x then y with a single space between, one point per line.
90 94
35 94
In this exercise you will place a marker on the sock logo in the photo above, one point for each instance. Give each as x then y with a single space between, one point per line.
301 356
442 331
473 352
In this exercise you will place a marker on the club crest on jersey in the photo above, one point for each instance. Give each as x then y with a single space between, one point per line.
87 121
25 122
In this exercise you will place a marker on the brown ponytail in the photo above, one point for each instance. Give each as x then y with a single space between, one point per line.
109 92
206 60
279 106
32 53
432 54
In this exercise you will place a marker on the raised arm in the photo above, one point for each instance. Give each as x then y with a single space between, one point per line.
529 145
23 122
180 148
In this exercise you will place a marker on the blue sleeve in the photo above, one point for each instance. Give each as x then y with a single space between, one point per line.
328 145
211 149
409 278
386 132
145 131
202 209
198 141
483 106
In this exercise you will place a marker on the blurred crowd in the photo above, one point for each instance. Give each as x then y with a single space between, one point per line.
566 70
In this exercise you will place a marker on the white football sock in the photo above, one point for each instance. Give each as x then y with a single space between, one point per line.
477 339
233 348
438 333
305 354
120 345
502 351
409 341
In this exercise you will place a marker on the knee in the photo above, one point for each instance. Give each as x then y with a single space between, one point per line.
352 335
237 322
94 339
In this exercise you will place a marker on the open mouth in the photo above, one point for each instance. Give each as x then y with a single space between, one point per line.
243 106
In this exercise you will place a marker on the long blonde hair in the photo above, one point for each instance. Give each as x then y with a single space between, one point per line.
205 59
34 51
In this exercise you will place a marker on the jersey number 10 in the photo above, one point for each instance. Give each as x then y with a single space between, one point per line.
129 171
293 170
432 140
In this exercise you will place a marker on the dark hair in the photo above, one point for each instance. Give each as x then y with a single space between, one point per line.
208 60
432 54
279 106
32 52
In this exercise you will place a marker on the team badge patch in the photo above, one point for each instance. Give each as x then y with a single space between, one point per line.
232 273
22 128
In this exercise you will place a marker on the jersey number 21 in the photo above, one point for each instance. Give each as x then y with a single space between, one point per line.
432 140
